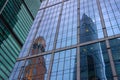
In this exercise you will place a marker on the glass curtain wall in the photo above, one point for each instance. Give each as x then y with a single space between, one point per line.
97 51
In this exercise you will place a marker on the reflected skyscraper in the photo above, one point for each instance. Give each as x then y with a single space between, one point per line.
91 56
87 29
38 69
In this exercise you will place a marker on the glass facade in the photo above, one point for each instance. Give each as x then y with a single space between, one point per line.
15 23
80 44
115 48
64 65
94 62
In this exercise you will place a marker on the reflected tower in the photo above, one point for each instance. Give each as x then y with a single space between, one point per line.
36 69
92 63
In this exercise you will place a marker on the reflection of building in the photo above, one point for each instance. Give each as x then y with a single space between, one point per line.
36 66
92 64
69 33
16 18
87 29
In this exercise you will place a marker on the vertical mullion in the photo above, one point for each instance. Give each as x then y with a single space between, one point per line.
107 41
78 40
55 41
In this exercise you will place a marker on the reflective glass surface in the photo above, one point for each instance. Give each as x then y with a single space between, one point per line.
115 48
34 68
90 24
94 62
68 26
52 2
111 14
48 25
64 65
58 22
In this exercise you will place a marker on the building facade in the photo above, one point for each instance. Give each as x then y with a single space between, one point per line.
82 41
16 19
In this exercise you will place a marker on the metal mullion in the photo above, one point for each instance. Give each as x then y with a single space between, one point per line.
55 40
78 40
107 42
70 47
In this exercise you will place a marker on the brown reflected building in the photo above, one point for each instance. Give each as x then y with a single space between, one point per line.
36 69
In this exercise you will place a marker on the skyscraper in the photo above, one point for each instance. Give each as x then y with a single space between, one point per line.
82 40
16 18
